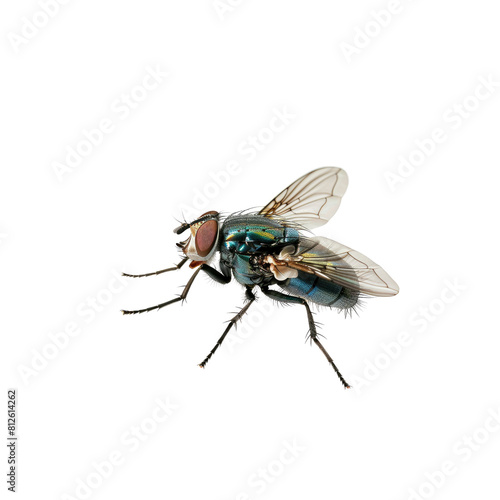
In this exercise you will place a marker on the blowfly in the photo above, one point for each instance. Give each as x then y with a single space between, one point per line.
273 247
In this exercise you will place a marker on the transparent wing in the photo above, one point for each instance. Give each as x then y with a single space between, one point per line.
340 264
311 200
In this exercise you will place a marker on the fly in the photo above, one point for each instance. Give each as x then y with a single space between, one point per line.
269 248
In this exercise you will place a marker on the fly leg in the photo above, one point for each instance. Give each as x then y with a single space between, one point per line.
182 296
250 296
213 273
313 334
177 266
224 278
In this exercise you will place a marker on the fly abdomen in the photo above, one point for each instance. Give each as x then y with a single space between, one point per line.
321 291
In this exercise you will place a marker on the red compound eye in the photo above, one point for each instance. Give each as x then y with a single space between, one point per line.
205 237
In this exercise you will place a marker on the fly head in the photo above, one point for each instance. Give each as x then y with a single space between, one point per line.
202 241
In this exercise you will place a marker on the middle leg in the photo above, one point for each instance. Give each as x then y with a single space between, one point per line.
250 296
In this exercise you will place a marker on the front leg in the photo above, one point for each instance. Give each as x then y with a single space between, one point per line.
180 298
175 268
213 273
224 278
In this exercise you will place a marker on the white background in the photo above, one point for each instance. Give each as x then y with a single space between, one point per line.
62 240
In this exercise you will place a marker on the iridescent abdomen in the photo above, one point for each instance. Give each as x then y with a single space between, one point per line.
321 291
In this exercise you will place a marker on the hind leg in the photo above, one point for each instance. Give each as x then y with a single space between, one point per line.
313 333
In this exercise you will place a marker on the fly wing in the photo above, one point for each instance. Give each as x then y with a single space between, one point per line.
340 264
312 200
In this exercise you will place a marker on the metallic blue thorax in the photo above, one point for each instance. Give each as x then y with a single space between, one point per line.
245 236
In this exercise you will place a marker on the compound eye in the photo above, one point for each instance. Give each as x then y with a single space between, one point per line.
205 238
